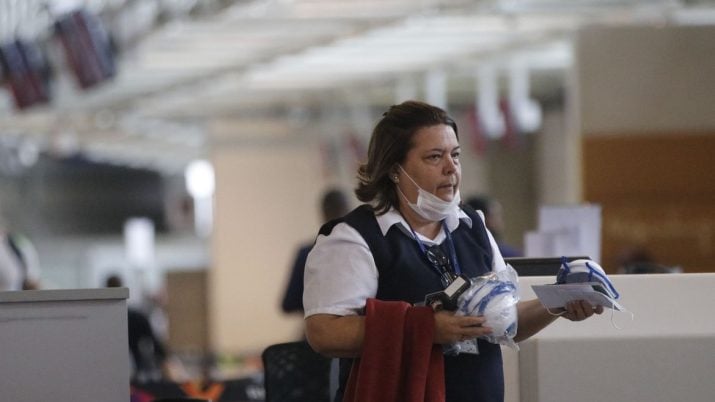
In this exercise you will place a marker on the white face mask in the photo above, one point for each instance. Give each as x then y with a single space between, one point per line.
578 271
428 205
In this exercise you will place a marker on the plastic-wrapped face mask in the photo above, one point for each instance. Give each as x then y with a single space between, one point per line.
493 296
494 300
579 271
500 314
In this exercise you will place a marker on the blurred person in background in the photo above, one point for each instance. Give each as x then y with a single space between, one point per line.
639 260
494 219
150 360
334 204
19 264
11 271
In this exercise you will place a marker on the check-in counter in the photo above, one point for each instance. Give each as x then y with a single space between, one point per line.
64 345
666 353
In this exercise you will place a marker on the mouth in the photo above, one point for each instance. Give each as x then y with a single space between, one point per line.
446 192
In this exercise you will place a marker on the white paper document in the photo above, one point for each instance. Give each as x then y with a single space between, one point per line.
556 296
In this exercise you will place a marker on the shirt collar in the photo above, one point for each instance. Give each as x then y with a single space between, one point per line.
392 217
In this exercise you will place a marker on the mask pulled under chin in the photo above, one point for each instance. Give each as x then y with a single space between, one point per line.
428 205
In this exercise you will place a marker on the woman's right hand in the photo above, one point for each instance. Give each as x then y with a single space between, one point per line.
450 328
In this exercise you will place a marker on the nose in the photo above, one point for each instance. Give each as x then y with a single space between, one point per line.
450 166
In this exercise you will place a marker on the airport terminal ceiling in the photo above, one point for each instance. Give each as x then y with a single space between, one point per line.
180 67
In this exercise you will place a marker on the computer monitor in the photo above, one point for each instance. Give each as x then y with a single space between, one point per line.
542 266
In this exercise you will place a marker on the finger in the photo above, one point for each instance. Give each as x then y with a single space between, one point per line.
471 321
575 311
587 308
475 332
590 309
474 327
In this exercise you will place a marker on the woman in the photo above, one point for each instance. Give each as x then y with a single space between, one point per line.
411 183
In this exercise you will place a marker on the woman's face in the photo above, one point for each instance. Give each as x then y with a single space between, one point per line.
433 163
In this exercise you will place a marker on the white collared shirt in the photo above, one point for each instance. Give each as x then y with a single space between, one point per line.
341 274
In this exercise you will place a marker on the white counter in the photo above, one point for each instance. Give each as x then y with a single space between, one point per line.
666 353
64 345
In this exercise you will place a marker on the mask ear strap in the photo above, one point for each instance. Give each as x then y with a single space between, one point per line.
410 177
613 323
555 314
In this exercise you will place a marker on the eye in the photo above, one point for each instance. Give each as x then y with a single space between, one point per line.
434 157
455 155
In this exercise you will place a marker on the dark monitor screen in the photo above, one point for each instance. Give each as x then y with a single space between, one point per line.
545 266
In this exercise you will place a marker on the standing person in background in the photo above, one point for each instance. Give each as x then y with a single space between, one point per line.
19 264
494 218
639 260
386 250
334 204
11 270
148 353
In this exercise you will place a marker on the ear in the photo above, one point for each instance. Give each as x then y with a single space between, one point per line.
394 175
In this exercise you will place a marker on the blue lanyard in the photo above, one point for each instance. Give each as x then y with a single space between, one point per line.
452 251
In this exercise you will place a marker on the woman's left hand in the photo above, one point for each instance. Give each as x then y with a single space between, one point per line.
579 310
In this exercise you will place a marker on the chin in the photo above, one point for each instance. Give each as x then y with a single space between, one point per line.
446 194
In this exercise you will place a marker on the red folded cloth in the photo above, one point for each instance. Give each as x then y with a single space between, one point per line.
399 362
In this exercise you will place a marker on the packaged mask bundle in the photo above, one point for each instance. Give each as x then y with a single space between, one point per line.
586 271
580 279
493 296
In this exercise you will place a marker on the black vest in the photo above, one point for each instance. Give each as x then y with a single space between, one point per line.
405 274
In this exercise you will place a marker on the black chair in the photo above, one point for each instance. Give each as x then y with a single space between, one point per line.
293 372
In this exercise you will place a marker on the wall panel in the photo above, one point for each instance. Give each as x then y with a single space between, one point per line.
657 191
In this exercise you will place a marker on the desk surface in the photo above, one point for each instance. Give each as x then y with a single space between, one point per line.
30 296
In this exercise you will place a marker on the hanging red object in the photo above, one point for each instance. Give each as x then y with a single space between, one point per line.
26 72
87 47
475 131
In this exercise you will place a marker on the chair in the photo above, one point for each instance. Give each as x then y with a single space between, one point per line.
294 372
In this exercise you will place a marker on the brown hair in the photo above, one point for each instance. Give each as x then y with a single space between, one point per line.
391 139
